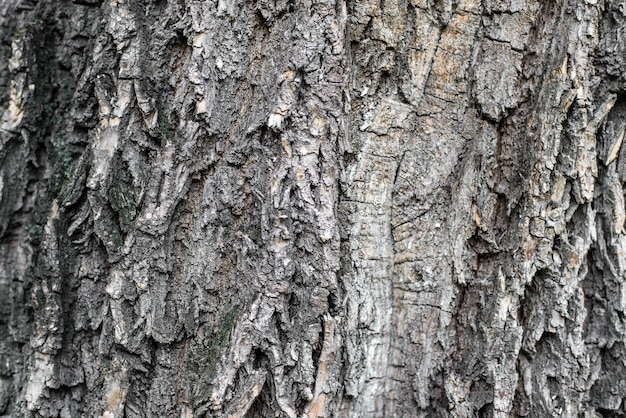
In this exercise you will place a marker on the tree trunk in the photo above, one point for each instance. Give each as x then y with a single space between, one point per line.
312 208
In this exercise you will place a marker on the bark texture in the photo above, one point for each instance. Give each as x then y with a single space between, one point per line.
312 208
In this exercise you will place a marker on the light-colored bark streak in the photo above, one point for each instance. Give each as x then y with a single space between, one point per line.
438 134
400 330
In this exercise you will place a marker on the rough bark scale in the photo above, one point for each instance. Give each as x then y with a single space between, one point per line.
314 208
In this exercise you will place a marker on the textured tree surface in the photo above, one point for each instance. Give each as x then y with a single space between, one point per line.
273 208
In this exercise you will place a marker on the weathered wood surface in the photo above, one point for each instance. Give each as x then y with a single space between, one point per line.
314 208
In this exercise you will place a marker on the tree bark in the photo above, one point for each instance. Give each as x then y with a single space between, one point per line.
312 208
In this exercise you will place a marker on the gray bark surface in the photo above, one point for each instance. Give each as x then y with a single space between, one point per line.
398 208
